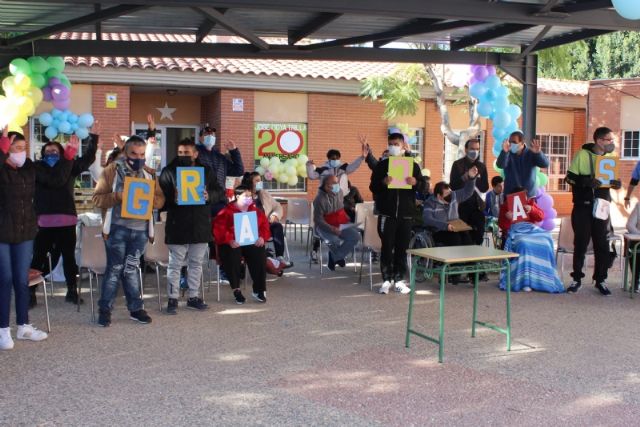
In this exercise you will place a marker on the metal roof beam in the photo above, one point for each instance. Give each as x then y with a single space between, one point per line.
313 25
231 25
234 50
526 50
92 18
398 33
488 34
414 23
205 28
569 38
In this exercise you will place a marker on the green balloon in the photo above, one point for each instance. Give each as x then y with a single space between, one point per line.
65 80
38 64
542 179
19 66
53 73
56 62
38 80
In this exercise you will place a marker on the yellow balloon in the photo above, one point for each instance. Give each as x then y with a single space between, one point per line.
14 127
35 94
22 82
25 106
8 84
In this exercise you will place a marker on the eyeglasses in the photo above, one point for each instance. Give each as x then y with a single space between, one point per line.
608 139
514 142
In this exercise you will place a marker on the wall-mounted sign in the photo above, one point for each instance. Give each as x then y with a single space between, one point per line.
111 100
237 104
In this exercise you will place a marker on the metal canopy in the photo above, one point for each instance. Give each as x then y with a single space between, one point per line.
357 30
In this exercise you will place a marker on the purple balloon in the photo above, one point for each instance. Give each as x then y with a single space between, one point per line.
54 81
540 192
60 93
545 203
481 73
46 94
62 104
491 69
548 224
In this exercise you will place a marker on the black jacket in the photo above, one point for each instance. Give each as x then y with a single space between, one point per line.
17 189
394 203
55 185
457 181
188 224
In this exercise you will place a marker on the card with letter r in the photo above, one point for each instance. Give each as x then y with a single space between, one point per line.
190 185
245 225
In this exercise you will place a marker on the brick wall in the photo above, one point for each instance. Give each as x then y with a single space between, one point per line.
113 120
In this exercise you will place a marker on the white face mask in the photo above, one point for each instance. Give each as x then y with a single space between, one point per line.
18 159
209 141
335 163
395 150
259 186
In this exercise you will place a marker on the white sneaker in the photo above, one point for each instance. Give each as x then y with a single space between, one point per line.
384 289
28 332
401 286
526 289
6 342
285 263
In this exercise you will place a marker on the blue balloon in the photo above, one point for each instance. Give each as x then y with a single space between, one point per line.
512 127
51 132
45 119
501 119
490 95
477 90
628 9
500 104
499 134
514 111
485 109
74 127
492 82
55 123
73 118
64 127
85 121
63 117
497 147
56 113
502 92
82 133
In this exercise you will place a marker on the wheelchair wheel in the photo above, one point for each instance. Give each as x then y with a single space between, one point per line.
421 240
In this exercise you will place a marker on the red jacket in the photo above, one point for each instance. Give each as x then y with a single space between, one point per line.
223 232
535 215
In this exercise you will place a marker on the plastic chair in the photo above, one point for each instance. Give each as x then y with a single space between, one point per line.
362 211
370 242
157 254
323 241
35 279
298 213
93 257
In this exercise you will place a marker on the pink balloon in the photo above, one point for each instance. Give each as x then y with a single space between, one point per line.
46 94
62 104
60 92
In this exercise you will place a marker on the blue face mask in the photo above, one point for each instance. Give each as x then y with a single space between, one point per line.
209 141
259 186
514 148
51 159
135 164
334 163
335 188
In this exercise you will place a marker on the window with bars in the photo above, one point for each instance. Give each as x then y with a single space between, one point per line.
452 153
631 144
557 147
416 142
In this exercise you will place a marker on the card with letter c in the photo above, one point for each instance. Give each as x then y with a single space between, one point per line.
606 169
190 185
137 198
400 168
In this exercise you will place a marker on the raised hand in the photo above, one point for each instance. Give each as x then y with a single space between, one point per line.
96 128
230 145
473 172
151 122
505 146
536 146
117 141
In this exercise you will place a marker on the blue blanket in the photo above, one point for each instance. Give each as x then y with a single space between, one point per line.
536 266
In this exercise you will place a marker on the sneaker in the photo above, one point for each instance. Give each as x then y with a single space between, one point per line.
574 287
197 304
28 332
240 299
260 296
172 306
140 316
341 263
285 263
104 318
384 289
331 264
526 289
602 287
183 282
314 257
73 298
401 286
6 342
223 278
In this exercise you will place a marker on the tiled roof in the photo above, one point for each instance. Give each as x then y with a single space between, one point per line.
339 70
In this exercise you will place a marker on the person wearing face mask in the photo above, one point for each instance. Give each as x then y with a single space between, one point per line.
471 210
56 175
396 208
272 209
188 227
19 228
586 191
334 166
231 253
125 238
329 218
519 163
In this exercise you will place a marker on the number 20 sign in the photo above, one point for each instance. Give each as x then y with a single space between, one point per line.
285 139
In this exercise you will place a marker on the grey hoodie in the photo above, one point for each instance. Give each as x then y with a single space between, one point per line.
324 203
437 214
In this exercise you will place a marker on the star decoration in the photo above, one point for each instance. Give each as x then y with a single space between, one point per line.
166 112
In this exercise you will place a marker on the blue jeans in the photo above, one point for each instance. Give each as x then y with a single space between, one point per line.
342 245
124 248
15 259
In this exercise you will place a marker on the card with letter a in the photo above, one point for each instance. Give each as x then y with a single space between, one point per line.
190 185
400 168
245 226
515 205
137 198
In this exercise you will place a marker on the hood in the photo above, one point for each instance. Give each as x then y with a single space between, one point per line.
588 146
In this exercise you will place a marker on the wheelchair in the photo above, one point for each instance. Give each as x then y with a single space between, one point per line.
421 238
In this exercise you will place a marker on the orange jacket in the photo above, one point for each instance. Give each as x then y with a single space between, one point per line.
223 230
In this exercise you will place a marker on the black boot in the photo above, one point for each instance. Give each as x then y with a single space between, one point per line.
32 297
72 296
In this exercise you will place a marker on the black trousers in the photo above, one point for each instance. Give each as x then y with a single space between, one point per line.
475 218
277 233
57 241
585 228
395 235
256 260
451 238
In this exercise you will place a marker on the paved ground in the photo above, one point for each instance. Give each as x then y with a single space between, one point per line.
329 352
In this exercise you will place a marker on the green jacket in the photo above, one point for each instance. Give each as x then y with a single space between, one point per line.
581 176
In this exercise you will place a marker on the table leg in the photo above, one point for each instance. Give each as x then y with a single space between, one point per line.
475 305
508 304
412 283
627 251
633 264
441 331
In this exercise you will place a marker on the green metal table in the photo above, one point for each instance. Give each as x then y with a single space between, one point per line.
459 260
631 246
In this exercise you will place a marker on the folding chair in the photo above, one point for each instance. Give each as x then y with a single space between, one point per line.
36 278
93 257
157 254
370 242
362 211
326 243
298 213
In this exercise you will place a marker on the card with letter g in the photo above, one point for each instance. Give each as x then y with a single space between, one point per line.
137 198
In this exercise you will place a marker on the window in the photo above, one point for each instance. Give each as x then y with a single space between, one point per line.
416 142
452 153
631 144
557 148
